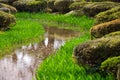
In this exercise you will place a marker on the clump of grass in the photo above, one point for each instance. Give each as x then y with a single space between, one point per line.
81 22
61 67
25 31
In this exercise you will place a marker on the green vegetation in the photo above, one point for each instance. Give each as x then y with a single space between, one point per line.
59 66
111 63
108 15
25 31
69 22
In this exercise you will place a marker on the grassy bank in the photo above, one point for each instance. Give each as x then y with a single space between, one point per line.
61 66
24 32
69 22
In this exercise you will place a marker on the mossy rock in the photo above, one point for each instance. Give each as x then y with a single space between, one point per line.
97 7
112 65
51 5
63 5
94 52
6 20
78 5
108 15
30 6
7 1
117 33
7 8
102 29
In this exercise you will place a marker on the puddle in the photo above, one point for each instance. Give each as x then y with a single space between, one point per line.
22 63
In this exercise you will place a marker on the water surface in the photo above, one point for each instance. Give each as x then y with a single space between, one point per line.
21 65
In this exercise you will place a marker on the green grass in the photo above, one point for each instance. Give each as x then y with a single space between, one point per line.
59 66
62 67
69 22
24 32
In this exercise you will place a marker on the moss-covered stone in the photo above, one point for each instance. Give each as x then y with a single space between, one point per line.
94 52
63 5
7 8
97 7
78 5
30 6
117 33
6 20
105 28
51 5
108 15
112 65
7 1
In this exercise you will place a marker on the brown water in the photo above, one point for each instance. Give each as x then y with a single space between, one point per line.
22 63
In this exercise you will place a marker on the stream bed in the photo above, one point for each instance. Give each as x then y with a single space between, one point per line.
22 63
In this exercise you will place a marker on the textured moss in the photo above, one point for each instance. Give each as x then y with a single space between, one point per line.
62 5
6 20
11 8
105 28
117 33
30 6
97 7
94 52
110 63
78 5
108 15
51 5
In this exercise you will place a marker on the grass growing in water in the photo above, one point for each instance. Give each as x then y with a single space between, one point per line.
70 22
24 32
61 67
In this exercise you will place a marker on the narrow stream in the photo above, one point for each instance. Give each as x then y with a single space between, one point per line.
22 63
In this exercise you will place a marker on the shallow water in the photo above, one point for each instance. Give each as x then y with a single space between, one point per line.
22 63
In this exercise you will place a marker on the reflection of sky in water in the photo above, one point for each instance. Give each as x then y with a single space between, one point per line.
20 66
58 43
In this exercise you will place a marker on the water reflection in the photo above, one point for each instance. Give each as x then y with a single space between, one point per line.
22 63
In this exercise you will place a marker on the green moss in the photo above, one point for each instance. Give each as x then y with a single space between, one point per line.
110 62
117 33
78 5
108 15
102 29
94 52
30 6
6 20
97 7
11 8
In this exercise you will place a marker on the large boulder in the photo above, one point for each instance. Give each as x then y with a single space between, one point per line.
97 7
94 52
6 20
30 6
102 29
63 5
108 15
7 8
